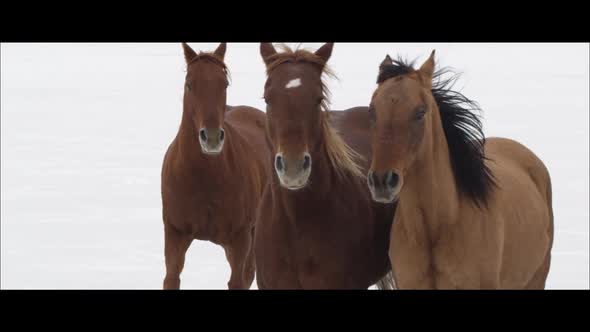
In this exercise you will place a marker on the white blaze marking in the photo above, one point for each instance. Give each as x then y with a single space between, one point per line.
293 83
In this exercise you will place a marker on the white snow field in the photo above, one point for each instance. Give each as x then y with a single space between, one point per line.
84 128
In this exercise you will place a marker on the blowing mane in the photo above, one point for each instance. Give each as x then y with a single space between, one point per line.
342 157
463 130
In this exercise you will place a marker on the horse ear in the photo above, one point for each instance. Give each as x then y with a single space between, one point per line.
386 62
267 51
427 70
189 54
220 51
325 51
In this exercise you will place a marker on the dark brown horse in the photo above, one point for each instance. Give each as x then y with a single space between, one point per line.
213 173
318 227
473 212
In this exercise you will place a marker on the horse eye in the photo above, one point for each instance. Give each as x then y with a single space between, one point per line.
420 113
188 86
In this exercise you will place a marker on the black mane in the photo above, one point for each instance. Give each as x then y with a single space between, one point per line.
398 67
462 127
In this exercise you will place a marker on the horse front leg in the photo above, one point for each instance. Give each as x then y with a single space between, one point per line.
240 255
175 246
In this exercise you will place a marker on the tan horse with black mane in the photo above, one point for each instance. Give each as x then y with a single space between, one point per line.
472 213
318 227
213 173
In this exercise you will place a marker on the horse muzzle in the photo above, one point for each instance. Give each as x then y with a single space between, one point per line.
293 173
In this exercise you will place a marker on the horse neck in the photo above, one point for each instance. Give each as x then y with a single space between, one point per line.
190 150
323 175
430 195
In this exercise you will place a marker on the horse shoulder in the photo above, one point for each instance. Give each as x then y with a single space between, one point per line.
521 205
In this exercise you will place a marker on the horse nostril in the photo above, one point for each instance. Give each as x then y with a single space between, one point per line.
306 162
370 179
279 163
203 135
391 179
221 134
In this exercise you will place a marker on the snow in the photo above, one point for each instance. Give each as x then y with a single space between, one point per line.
84 128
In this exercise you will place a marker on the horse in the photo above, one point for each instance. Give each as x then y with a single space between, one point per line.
213 173
317 227
473 212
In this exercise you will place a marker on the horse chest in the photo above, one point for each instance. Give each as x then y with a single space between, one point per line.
316 265
323 257
318 248
209 215
448 262
453 274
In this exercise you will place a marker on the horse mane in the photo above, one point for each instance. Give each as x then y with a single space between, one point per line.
211 57
342 157
462 127
398 68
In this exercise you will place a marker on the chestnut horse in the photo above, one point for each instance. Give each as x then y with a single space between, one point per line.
213 173
318 227
472 213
